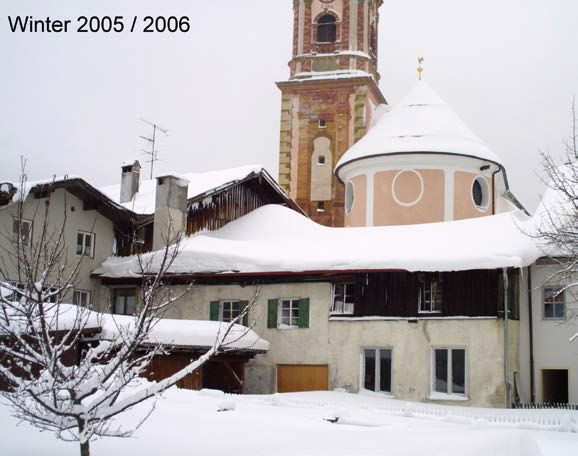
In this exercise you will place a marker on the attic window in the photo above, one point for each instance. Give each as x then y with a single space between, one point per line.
326 29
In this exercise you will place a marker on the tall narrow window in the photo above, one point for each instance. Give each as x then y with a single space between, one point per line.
125 301
22 231
326 29
449 371
377 369
85 244
430 293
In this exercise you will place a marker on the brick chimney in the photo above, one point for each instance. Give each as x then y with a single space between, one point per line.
129 181
170 210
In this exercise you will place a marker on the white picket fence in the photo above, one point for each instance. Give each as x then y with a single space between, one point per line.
543 419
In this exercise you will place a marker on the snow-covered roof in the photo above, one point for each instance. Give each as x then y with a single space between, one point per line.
144 200
422 122
189 333
23 190
276 239
182 333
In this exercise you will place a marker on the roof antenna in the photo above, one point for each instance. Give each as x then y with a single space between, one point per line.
420 67
153 153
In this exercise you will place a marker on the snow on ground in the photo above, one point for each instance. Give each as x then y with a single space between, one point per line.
187 422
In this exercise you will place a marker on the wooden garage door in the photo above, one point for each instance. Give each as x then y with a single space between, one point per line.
302 377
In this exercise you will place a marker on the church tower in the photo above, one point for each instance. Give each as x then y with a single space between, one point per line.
328 100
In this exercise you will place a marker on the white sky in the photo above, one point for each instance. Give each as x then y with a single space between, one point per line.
71 102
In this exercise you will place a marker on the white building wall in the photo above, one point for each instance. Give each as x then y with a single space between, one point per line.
552 349
60 203
339 343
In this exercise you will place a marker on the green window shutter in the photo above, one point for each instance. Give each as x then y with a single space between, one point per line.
304 313
214 312
272 305
242 306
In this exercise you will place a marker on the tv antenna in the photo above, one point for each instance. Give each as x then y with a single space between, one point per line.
153 152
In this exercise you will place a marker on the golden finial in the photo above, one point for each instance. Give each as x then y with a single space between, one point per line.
420 68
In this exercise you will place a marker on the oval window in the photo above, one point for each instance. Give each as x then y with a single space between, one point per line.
480 192
349 197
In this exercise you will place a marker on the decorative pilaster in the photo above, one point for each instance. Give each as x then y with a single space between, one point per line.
285 142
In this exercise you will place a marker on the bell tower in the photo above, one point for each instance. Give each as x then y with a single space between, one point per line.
329 99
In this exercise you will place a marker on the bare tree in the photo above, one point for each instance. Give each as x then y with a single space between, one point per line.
557 228
62 376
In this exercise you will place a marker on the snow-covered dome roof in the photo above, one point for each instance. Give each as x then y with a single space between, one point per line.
422 122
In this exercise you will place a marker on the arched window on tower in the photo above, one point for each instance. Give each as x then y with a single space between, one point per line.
326 29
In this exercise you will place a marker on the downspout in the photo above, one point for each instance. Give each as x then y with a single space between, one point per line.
494 189
531 329
506 339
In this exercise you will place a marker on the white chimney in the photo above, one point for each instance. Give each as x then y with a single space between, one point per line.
129 181
170 210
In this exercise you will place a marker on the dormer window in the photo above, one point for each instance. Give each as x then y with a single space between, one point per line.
326 29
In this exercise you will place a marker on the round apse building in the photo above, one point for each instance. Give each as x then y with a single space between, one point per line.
420 163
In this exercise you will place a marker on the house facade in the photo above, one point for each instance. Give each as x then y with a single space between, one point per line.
548 360
91 227
416 290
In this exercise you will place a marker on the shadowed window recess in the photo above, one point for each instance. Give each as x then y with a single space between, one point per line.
326 29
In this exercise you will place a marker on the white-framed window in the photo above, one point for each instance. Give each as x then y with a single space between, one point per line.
376 369
85 244
22 231
343 302
289 312
124 301
81 298
449 370
480 193
429 294
554 303
229 310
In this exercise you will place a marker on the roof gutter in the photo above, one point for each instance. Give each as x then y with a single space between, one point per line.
338 168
